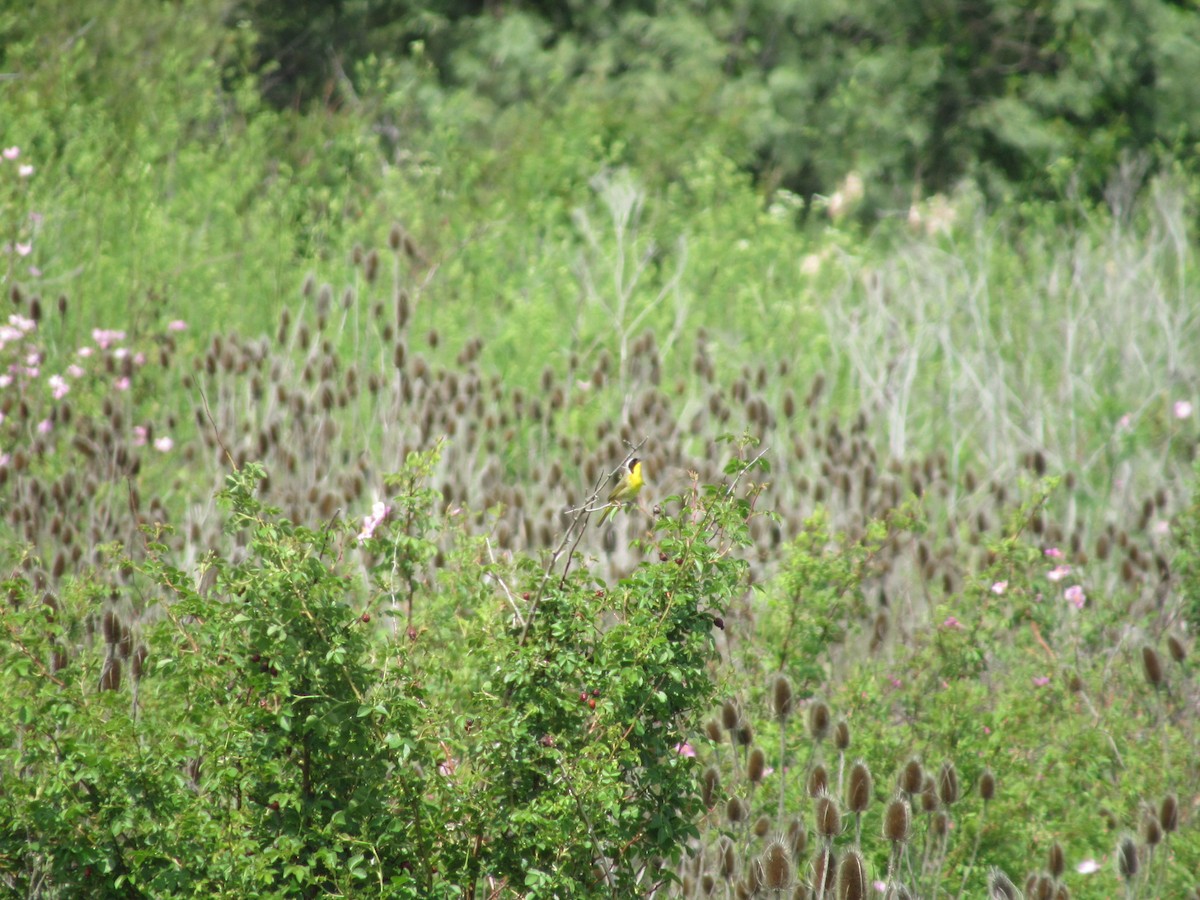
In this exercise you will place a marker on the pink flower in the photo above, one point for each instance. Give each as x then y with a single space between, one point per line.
1087 867
163 444
1161 527
1058 573
122 383
999 587
1182 408
1053 553
4 459
139 359
120 352
12 152
58 386
105 337
1041 681
24 249
139 435
177 325
1075 596
85 351
685 749
24 171
32 358
379 512
45 426
951 622
5 380
75 371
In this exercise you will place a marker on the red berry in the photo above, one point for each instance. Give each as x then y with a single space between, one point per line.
595 692
591 703
583 696
679 560
662 556
366 617
525 596
274 806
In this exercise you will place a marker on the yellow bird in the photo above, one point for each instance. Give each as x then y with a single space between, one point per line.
627 489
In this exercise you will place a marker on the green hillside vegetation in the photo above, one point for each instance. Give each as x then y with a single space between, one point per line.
329 326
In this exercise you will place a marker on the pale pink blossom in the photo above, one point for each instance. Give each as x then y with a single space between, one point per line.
24 249
45 426
163 444
379 512
33 358
177 325
58 386
1075 596
139 359
999 587
12 152
951 623
122 383
139 435
1088 867
106 337
75 371
24 171
685 749
1058 573
5 380
4 460
1182 409
1161 527
1041 681
1053 553
120 352
85 351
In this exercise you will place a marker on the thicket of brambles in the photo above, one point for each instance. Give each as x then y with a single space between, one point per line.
328 325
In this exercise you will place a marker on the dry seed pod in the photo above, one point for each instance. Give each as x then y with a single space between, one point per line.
714 731
828 817
756 765
948 783
818 781
858 796
1127 858
818 721
1000 887
782 697
777 866
912 777
897 821
735 810
727 857
1168 814
987 785
797 838
710 783
841 736
730 716
761 826
1152 831
824 867
1177 648
1152 666
1056 862
852 877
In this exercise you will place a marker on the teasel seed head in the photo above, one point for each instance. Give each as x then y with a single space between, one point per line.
730 715
761 826
1152 667
828 817
1152 830
1127 858
912 777
852 877
1177 648
782 697
713 730
710 785
778 870
929 797
948 784
735 810
1039 887
819 721
1056 862
940 824
824 870
727 858
818 781
987 785
897 892
1168 813
756 765
797 838
1000 887
858 796
841 736
897 821
745 734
